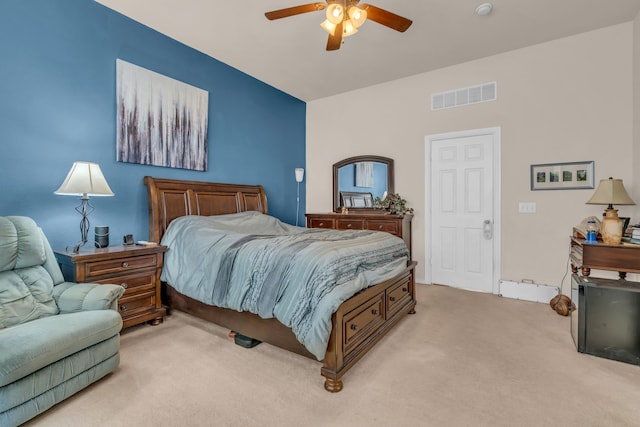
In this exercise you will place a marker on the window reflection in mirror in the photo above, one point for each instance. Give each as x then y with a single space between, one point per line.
357 181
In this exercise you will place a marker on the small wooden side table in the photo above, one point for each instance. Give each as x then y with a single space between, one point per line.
624 258
135 267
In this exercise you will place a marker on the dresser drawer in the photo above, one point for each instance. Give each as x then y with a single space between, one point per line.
119 265
360 323
384 225
397 297
349 224
321 223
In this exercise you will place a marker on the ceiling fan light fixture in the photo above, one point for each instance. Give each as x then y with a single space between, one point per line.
357 15
344 17
329 27
335 13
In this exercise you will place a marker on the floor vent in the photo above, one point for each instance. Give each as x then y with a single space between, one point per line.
528 291
465 96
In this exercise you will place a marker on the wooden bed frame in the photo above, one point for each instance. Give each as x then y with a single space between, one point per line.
358 324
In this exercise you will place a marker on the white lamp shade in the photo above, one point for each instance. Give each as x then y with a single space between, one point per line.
610 192
299 174
85 178
349 29
357 15
335 13
328 26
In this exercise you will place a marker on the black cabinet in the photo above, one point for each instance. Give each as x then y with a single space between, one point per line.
606 322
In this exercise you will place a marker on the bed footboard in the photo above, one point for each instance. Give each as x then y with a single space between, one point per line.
360 322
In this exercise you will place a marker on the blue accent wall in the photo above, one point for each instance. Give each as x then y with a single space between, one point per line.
57 106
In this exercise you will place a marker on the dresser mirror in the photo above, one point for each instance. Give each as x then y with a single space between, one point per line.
358 180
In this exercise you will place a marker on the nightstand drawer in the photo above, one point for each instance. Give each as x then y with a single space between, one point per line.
119 265
132 282
138 303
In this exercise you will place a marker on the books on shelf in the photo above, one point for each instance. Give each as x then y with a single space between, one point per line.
632 235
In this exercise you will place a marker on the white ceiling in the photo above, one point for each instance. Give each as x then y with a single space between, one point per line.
290 54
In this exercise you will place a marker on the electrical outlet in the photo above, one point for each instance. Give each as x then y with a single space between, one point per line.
527 207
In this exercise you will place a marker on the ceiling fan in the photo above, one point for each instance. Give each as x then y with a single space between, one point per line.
344 17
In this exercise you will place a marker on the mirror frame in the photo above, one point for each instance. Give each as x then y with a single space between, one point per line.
366 158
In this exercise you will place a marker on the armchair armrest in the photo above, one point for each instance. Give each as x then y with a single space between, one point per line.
72 297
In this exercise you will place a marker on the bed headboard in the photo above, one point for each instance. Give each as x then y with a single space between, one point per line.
173 198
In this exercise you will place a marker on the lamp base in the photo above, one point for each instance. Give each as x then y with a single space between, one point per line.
76 248
611 228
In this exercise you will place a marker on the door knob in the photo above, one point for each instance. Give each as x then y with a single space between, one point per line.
487 229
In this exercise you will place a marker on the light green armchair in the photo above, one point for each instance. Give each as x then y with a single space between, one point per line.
56 337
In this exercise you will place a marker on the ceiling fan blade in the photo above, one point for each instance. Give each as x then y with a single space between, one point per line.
335 40
295 10
386 18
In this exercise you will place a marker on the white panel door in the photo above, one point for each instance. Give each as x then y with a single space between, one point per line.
462 217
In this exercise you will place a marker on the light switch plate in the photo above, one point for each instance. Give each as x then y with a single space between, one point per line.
527 207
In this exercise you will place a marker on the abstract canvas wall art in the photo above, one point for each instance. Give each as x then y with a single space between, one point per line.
160 121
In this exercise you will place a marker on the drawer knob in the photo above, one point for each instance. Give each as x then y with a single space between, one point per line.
380 227
374 312
321 224
125 264
124 285
405 290
349 226
392 298
354 327
123 307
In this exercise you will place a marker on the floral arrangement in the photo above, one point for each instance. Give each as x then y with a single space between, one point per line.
394 203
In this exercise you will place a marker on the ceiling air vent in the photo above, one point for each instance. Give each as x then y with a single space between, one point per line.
465 96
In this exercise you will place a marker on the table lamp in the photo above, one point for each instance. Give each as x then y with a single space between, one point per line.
84 179
609 192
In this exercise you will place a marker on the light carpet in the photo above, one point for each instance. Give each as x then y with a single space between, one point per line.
464 359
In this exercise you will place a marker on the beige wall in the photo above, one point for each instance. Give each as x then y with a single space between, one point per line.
566 100
635 194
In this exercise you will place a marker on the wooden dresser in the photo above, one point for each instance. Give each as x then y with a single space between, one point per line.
365 220
135 268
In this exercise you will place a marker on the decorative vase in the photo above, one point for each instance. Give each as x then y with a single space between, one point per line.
611 228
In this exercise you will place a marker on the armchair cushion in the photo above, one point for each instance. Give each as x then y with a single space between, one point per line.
25 294
22 244
27 347
72 297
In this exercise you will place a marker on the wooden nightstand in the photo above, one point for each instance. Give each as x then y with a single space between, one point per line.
136 268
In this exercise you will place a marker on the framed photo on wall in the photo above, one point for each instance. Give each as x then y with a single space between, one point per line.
562 176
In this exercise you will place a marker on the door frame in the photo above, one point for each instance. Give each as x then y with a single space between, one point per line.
497 221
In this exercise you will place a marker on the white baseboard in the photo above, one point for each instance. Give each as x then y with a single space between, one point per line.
528 291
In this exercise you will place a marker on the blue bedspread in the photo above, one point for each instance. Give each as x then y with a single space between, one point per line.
253 262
